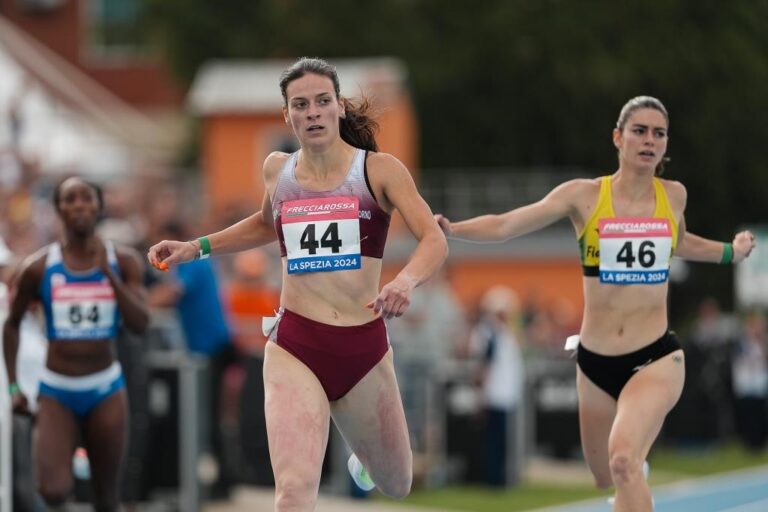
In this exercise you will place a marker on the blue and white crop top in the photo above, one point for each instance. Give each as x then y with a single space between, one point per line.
79 305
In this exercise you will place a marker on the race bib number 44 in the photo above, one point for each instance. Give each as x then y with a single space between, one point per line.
322 235
635 250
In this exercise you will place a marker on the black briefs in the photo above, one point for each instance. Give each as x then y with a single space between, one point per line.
611 373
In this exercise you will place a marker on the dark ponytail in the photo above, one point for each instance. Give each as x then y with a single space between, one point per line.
357 128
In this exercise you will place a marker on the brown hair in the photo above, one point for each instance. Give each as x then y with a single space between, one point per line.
637 103
357 128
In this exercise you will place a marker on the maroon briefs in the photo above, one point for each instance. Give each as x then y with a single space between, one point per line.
338 356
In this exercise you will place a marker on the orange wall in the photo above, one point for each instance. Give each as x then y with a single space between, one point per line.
399 133
235 146
234 149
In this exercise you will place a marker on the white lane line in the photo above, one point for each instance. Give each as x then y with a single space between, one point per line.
755 506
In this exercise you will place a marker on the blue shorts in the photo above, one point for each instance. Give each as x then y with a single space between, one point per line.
82 394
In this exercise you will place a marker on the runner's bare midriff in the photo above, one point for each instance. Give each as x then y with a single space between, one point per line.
334 298
619 319
80 357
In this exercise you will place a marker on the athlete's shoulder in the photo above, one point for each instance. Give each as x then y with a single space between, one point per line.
33 266
676 191
386 160
385 164
578 187
584 183
273 163
128 255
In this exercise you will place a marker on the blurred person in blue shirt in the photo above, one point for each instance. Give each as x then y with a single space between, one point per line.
193 290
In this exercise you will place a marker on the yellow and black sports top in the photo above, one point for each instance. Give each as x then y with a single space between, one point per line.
634 250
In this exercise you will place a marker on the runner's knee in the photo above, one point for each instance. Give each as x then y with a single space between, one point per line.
55 491
603 481
293 492
625 467
398 486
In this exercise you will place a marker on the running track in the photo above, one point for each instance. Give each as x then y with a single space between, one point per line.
743 491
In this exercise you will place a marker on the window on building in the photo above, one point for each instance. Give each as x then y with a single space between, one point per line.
115 28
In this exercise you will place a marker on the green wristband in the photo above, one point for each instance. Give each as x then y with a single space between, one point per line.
13 388
205 247
727 254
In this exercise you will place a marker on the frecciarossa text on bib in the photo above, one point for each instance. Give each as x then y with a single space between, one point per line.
634 250
322 234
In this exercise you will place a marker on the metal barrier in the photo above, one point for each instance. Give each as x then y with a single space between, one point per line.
189 420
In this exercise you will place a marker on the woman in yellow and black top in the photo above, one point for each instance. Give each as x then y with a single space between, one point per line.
630 366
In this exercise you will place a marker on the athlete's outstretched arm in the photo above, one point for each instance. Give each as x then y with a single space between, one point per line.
693 247
251 232
432 249
557 204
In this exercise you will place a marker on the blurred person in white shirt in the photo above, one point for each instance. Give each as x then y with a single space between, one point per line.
29 364
494 342
749 368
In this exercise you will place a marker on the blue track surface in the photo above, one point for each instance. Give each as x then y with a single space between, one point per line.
743 491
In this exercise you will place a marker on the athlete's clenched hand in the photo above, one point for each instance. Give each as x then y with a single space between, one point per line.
394 298
171 252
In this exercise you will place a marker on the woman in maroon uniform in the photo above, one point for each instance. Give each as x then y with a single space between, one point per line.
329 205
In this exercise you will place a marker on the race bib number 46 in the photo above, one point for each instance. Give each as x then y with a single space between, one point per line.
321 235
635 250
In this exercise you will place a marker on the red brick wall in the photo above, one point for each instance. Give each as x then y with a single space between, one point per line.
145 84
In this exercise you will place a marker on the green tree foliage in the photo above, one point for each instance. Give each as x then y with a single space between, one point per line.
533 82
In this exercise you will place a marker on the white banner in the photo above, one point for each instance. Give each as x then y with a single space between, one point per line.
751 278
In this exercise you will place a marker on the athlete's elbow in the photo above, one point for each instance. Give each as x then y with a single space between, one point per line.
138 323
441 248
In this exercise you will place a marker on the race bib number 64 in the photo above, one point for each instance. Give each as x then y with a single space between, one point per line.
321 235
82 310
635 250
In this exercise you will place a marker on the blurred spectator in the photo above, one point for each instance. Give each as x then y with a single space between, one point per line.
193 290
708 367
423 341
250 297
27 222
6 259
121 222
164 205
29 363
712 328
495 342
750 381
707 391
547 323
